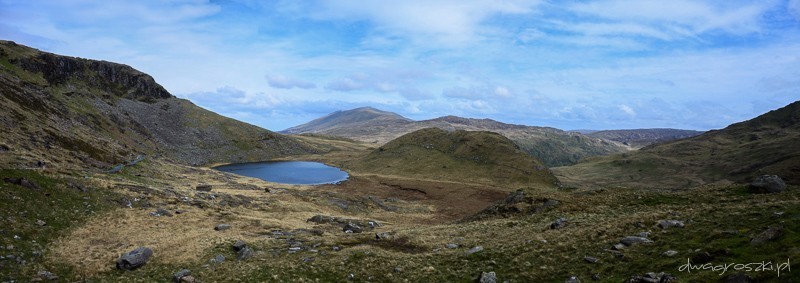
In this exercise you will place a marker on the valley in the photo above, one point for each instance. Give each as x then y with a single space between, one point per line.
443 200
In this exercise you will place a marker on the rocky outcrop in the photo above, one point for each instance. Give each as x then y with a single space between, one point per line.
767 184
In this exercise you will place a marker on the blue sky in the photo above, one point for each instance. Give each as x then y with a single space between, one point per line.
568 64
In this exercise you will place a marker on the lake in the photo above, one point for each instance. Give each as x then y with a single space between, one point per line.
288 172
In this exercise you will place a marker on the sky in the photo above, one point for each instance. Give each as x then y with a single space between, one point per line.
607 64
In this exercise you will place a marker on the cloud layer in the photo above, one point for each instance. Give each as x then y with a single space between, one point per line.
568 64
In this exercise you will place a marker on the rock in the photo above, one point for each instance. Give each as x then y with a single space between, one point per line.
384 236
161 212
451 246
177 276
665 224
218 259
239 245
590 259
475 250
398 270
203 188
737 278
39 222
46 275
770 234
652 277
351 228
767 184
336 248
669 253
487 277
618 246
222 227
559 223
244 253
644 234
308 259
188 279
572 279
702 257
23 182
632 240
134 259
596 277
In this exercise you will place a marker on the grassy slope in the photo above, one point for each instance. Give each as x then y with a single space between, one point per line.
472 157
764 145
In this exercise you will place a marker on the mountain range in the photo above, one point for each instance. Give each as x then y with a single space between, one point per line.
553 146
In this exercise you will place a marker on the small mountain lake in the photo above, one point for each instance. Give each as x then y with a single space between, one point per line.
288 172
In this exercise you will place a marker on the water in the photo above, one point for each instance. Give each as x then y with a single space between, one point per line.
288 172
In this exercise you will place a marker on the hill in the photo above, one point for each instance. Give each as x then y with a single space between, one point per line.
66 111
767 144
552 146
638 138
463 156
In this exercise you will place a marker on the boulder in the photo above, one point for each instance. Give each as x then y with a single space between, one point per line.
770 234
46 275
652 277
177 276
590 259
632 240
559 223
222 227
665 224
451 246
384 235
203 187
39 222
239 245
244 253
23 182
475 250
572 279
767 184
218 259
487 277
161 212
352 228
669 253
134 259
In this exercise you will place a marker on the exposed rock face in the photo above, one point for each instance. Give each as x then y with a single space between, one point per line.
767 184
134 259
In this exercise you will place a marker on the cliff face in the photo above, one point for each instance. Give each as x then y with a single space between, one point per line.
79 112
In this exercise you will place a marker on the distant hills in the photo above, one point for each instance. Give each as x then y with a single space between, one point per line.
459 156
552 146
639 138
767 144
68 111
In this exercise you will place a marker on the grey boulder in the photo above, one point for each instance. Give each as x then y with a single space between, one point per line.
134 259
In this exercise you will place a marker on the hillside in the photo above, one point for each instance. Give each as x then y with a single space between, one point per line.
638 138
552 146
66 111
463 156
767 144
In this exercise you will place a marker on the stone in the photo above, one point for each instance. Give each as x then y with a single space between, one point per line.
572 279
652 277
590 259
669 253
632 240
384 236
39 222
665 224
177 276
203 188
559 223
451 246
352 228
770 234
239 245
702 257
222 227
767 184
618 246
475 250
596 277
336 248
244 253
188 279
308 259
161 212
218 259
644 234
46 275
488 277
134 259
23 182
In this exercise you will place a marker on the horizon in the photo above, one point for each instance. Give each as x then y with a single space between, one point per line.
573 65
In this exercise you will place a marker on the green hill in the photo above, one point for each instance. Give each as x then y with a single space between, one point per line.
460 156
768 144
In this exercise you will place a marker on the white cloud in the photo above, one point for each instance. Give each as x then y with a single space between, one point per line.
279 81
627 110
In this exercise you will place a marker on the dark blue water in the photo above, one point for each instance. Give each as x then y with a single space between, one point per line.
288 172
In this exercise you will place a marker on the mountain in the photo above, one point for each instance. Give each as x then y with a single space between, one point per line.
463 156
767 144
68 111
552 146
638 138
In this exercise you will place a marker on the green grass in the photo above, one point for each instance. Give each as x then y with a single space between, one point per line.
59 205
